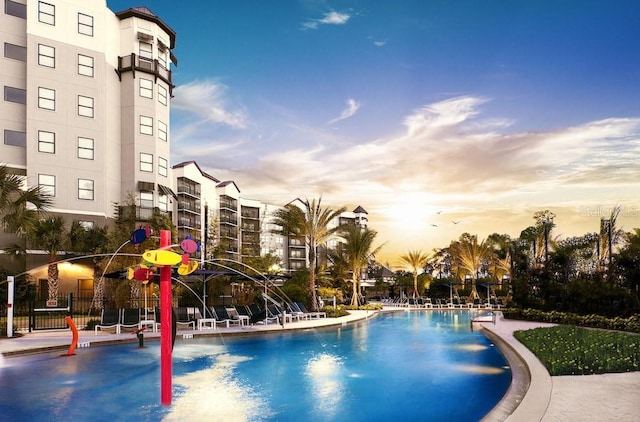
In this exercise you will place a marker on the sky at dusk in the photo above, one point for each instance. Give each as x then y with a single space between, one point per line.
437 117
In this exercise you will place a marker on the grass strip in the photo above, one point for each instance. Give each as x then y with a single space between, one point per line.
570 350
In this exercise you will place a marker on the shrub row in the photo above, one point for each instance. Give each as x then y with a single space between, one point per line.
631 324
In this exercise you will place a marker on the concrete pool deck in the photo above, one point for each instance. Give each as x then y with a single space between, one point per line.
533 396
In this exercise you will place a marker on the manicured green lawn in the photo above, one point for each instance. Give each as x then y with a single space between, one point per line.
569 350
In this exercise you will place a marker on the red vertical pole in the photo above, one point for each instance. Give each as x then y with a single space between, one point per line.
165 323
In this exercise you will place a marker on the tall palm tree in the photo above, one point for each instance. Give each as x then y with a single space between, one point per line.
610 235
358 248
544 222
50 235
311 222
417 260
469 256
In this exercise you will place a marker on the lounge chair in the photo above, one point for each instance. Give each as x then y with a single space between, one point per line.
221 315
130 318
310 314
183 317
274 313
110 318
254 309
243 310
296 312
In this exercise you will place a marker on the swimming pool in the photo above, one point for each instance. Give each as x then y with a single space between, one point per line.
404 365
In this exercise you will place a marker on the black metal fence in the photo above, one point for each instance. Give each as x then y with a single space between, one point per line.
43 314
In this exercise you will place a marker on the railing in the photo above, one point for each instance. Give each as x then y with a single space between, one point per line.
133 63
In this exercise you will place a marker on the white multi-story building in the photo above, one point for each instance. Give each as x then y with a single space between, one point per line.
85 112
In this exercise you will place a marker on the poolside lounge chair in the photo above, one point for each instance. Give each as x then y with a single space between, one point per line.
183 317
254 309
221 315
295 312
311 314
110 318
243 310
130 318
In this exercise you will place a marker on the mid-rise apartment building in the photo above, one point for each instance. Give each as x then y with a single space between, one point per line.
86 105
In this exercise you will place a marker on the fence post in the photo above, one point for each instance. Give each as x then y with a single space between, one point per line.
70 303
10 293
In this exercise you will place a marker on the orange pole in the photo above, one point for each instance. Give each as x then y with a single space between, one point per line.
74 341
165 323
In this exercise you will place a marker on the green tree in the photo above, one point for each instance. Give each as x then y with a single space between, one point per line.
469 256
610 236
91 241
416 260
545 224
20 208
51 235
358 248
312 222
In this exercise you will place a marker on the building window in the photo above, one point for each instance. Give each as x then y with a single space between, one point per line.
85 106
162 59
146 51
163 166
162 131
85 24
85 189
146 199
16 9
15 95
85 148
46 98
46 55
162 94
146 88
15 52
47 184
85 65
146 162
46 142
163 202
14 138
146 125
46 13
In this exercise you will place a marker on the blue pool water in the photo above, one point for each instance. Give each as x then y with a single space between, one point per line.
405 365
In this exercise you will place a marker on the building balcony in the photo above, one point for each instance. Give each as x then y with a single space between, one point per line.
145 214
133 63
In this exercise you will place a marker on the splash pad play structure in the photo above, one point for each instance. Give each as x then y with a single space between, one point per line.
158 262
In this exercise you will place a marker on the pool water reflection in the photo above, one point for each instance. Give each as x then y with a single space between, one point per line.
405 365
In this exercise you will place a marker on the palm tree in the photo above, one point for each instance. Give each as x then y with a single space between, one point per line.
358 250
469 256
94 240
544 221
417 260
50 235
20 208
310 222
609 236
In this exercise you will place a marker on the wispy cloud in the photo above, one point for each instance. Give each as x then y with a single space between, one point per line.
447 156
329 18
350 110
208 99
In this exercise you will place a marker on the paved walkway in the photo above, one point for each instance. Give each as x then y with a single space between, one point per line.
579 398
533 395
